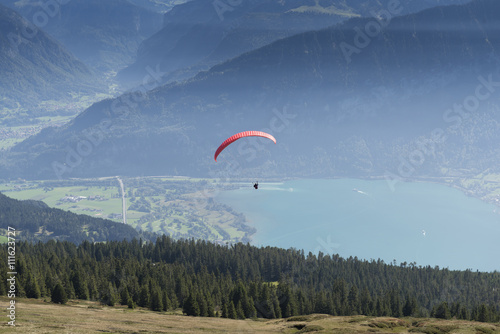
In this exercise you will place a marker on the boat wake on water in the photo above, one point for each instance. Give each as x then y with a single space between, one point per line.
276 189
360 192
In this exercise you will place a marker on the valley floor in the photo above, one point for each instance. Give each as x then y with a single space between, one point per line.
37 316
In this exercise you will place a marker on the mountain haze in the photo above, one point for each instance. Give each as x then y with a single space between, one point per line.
333 113
200 34
35 67
103 34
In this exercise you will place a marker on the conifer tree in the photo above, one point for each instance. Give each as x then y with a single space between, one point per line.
79 284
410 308
231 311
395 304
463 314
366 302
144 297
442 311
43 289
265 304
3 290
130 303
381 308
483 314
156 299
92 289
210 307
240 314
50 282
124 296
83 292
225 311
70 289
202 302
474 314
32 288
110 295
250 311
59 295
352 300
340 289
191 306
166 301
493 313
288 302
276 306
174 302
455 309
322 303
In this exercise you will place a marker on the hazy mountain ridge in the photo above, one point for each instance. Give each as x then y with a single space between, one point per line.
356 118
30 59
103 34
199 34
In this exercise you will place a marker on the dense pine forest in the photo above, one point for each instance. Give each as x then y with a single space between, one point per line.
243 281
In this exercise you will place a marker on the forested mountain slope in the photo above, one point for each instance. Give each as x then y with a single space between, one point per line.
243 281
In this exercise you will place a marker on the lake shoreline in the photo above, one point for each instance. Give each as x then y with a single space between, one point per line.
445 181
419 221
449 182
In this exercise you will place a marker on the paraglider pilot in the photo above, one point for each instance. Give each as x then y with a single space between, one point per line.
256 185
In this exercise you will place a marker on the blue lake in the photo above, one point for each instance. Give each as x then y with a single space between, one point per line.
426 223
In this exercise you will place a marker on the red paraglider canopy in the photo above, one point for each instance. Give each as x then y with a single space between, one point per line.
237 136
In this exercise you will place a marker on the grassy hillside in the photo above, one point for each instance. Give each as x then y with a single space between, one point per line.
36 316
